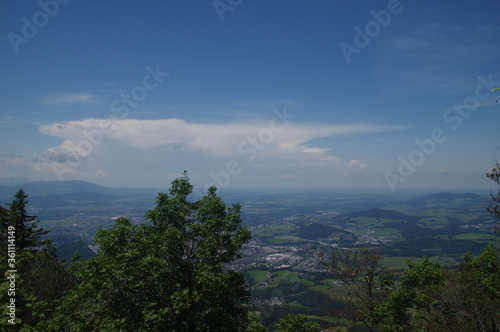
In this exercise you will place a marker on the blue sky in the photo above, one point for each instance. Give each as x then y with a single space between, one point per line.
251 93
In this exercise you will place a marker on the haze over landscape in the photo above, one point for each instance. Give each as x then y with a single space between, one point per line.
387 94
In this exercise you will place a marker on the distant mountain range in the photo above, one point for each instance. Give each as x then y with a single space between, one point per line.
445 199
53 187
379 213
60 193
13 181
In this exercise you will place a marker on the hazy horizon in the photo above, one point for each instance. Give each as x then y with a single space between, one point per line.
277 190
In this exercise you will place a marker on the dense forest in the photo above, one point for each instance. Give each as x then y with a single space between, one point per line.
171 274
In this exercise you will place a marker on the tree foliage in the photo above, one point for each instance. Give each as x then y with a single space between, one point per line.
296 323
362 272
429 298
424 296
167 275
494 205
410 300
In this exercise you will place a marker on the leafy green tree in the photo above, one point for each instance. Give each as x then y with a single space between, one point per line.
296 323
45 280
170 274
410 302
470 297
361 271
494 205
428 298
254 324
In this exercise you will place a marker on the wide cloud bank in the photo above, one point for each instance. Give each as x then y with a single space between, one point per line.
276 146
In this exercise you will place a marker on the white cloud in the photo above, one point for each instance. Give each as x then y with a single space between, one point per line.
220 140
356 164
149 148
66 98
355 167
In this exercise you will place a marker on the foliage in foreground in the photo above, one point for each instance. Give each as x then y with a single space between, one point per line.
494 205
424 297
166 275
296 323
